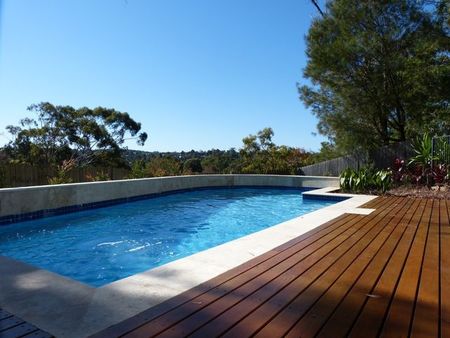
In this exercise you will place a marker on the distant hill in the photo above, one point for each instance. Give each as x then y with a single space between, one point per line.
131 155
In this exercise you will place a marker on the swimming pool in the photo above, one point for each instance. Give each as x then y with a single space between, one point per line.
103 245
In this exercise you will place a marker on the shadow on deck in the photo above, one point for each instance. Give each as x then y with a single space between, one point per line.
386 273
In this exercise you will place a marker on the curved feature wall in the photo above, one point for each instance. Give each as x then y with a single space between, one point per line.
39 201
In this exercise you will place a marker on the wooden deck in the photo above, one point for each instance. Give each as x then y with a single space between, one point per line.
14 327
384 274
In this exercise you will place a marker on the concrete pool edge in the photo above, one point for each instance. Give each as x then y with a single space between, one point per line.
40 296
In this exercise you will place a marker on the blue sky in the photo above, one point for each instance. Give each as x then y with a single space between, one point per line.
197 74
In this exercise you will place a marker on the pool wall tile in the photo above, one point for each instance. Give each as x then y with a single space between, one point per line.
328 197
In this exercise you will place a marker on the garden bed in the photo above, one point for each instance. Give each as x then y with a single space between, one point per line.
425 175
437 192
442 192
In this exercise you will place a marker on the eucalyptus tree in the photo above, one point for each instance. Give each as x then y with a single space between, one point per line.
90 136
260 155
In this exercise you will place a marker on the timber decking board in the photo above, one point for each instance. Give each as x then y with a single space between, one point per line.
296 298
375 307
171 318
15 327
343 317
277 266
444 246
426 311
401 311
382 274
342 289
157 311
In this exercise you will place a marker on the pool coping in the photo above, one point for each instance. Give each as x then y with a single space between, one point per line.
67 308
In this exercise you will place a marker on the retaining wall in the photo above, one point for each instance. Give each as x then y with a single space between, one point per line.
26 200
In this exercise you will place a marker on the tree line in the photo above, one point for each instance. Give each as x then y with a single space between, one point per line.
258 155
65 137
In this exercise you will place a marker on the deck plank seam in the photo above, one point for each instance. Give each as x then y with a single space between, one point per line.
337 305
19 322
149 315
391 206
234 276
439 269
441 225
394 206
320 282
8 331
407 243
262 272
379 202
366 219
405 228
325 321
350 264
411 323
422 208
444 318
446 208
349 220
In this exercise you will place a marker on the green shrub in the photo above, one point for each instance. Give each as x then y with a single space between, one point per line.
365 180
423 148
382 180
192 165
63 173
138 170
98 176
347 180
441 150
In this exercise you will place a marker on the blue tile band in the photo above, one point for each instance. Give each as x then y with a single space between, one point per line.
325 197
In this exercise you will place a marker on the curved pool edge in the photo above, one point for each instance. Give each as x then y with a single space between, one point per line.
25 203
40 296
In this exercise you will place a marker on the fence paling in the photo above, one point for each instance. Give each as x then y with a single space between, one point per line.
20 175
380 158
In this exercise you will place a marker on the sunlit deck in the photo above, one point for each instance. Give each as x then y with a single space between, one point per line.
386 273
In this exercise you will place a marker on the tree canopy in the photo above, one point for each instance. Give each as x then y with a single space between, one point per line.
89 136
379 71
259 155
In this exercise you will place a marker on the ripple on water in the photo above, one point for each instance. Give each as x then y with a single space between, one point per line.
103 245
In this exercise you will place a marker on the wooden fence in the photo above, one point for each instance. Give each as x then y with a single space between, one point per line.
381 158
20 175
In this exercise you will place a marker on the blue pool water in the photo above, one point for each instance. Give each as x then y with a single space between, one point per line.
103 245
